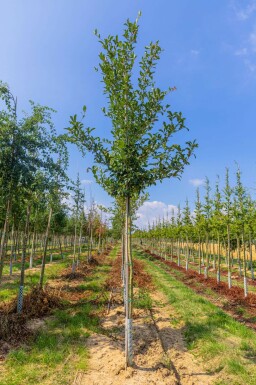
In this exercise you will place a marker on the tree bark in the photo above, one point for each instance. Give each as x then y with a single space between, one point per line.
128 286
4 238
23 260
45 249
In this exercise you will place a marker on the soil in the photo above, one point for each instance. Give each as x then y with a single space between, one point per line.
16 329
160 355
140 277
231 300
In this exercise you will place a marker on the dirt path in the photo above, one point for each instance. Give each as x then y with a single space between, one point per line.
160 356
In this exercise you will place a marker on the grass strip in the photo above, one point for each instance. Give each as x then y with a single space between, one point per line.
223 344
59 350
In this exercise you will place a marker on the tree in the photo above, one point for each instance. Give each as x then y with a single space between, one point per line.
241 215
187 228
29 147
140 151
207 213
217 223
199 224
78 208
227 205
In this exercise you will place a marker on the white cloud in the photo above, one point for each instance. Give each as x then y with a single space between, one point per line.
250 65
196 182
248 49
247 53
194 52
151 212
241 52
245 13
252 40
86 181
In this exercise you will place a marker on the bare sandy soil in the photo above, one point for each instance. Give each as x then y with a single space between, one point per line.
160 356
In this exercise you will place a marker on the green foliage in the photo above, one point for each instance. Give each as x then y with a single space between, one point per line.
141 150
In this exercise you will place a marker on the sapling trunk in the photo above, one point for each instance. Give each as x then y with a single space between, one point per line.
239 255
12 248
178 252
80 241
74 248
123 261
45 249
244 267
16 243
199 255
214 255
250 251
32 250
128 286
187 252
206 270
218 267
228 256
61 253
4 238
23 260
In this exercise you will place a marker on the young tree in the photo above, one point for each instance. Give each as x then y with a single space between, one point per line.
207 226
141 150
218 222
28 149
78 208
241 219
199 225
251 220
227 205
187 228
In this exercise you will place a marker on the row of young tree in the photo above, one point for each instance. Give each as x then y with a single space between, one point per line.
218 234
35 191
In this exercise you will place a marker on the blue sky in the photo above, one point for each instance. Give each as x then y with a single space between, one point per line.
49 51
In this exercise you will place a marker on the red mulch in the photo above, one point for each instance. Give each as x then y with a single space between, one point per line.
140 277
235 294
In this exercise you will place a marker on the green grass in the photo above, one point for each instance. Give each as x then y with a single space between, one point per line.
9 289
212 274
59 348
142 300
56 257
225 345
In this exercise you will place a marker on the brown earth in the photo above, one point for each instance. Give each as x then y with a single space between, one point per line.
16 329
230 300
160 355
140 277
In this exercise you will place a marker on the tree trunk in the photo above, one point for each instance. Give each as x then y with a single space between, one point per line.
32 250
178 252
206 270
244 266
239 256
250 251
4 238
199 255
45 249
218 268
61 254
74 249
128 286
187 252
23 260
229 264
12 249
